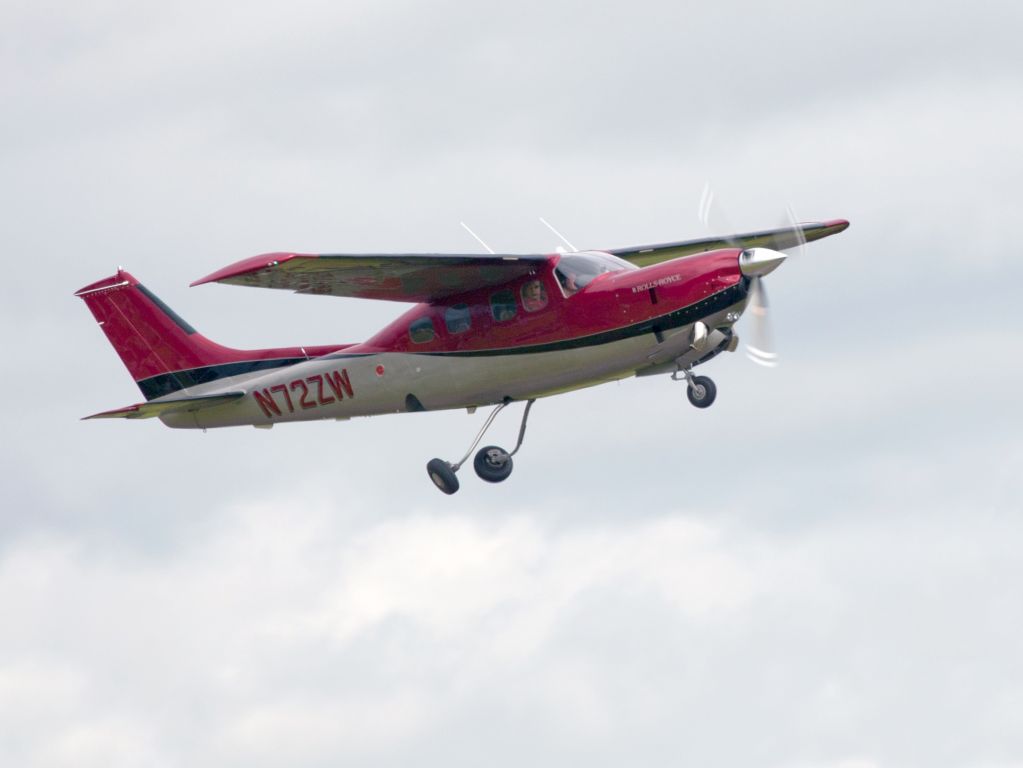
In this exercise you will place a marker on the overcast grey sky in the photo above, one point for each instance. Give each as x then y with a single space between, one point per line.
821 570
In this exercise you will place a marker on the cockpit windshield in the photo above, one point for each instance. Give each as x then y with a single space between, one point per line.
576 270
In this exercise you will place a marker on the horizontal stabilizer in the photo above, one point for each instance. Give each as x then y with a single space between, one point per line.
162 407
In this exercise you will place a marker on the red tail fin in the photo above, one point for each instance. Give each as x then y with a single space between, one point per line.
147 334
161 351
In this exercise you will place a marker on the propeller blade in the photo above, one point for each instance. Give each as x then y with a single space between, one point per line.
788 240
713 217
798 248
760 349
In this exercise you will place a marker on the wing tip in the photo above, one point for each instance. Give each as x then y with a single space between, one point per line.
247 266
839 225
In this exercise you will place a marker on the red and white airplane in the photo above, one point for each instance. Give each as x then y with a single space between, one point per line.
485 329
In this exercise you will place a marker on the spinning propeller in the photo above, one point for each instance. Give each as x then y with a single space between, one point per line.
754 264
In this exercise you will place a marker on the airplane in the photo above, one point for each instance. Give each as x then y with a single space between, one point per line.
484 330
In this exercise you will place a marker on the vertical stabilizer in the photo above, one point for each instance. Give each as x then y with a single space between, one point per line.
162 352
149 336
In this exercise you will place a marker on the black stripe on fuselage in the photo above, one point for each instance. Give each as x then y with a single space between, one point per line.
680 317
168 383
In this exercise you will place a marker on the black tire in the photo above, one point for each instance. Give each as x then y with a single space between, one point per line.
442 475
702 392
492 464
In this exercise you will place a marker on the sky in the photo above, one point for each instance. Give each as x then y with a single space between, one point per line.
822 569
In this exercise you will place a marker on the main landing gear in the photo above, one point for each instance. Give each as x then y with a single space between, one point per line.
701 391
491 463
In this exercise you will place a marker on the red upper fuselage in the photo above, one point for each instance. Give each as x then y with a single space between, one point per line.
502 318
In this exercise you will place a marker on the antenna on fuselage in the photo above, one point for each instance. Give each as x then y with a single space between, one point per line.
478 238
560 236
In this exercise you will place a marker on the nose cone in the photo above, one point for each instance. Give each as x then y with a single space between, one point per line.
756 262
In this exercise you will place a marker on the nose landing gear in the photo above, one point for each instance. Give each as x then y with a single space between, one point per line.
491 463
701 390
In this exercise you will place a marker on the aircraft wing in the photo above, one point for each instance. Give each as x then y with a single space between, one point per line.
410 277
161 407
776 239
416 277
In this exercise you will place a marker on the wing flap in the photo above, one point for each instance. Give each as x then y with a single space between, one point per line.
412 277
776 239
161 407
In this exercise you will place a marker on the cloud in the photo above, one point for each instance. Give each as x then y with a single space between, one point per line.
294 631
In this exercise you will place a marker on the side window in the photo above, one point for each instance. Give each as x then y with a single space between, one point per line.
457 318
502 306
421 330
534 296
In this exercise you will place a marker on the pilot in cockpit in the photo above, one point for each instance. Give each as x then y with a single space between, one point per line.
576 270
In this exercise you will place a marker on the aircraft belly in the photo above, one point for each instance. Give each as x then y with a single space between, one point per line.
453 381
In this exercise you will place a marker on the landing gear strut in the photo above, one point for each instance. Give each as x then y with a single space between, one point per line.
701 391
491 463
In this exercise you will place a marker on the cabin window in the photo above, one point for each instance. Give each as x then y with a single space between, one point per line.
421 330
457 318
534 296
502 306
